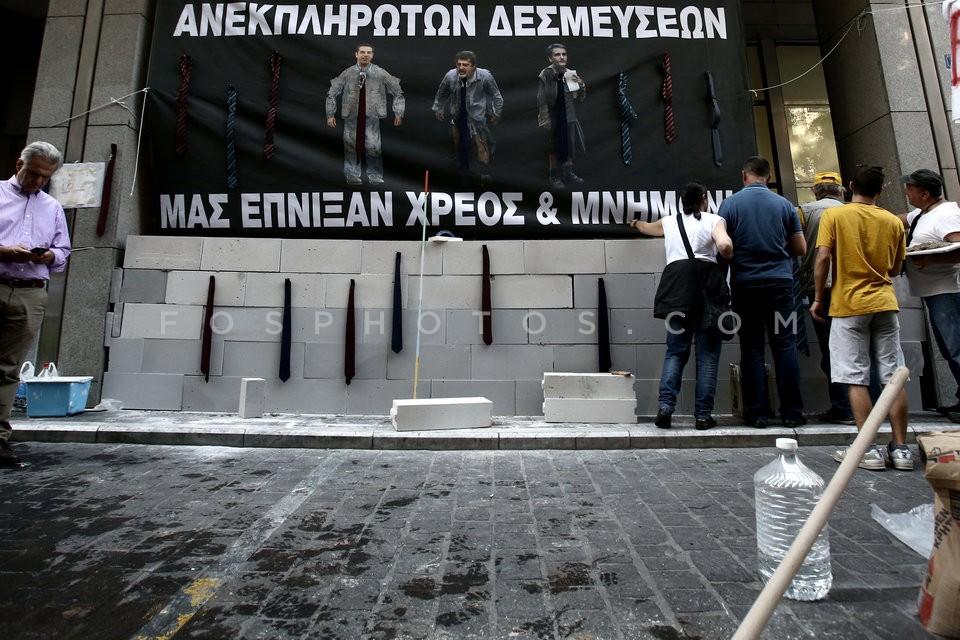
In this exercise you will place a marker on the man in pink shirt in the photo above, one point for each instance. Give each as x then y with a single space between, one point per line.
34 242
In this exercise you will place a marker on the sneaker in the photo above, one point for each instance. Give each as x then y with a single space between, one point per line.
793 423
663 418
830 415
354 180
871 461
702 424
376 179
900 456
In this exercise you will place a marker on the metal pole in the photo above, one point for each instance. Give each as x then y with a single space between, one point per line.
759 614
423 245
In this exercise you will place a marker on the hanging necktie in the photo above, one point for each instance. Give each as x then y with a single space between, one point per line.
207 337
272 99
350 339
626 113
285 334
801 309
486 306
362 118
715 126
180 136
107 190
560 125
396 343
231 134
603 329
463 129
669 124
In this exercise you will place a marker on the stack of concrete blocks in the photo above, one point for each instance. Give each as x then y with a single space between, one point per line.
441 413
589 397
544 320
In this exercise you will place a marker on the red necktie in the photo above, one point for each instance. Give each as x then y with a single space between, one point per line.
180 137
272 99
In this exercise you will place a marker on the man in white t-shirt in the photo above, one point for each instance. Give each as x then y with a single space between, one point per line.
936 277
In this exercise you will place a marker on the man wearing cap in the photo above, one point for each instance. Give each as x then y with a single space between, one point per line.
864 246
936 278
828 191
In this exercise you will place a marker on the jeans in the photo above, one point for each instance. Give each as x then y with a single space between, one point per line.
944 312
679 340
351 166
766 310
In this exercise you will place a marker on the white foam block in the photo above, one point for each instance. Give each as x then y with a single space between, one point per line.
252 396
588 386
441 413
604 411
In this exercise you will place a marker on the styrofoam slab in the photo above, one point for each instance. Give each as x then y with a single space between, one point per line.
441 413
588 386
602 411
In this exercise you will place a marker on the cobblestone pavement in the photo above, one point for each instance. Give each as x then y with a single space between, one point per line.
134 541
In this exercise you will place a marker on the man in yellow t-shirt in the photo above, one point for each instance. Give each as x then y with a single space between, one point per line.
866 246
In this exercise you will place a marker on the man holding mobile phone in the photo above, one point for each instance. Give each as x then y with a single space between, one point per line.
34 242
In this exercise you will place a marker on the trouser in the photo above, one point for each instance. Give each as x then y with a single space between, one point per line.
944 312
351 166
21 313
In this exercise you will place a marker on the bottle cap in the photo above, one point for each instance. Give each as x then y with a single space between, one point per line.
786 444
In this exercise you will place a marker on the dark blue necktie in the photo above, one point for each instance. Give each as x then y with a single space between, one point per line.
396 343
603 329
285 334
626 114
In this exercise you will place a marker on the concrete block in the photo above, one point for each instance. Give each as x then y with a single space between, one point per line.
648 393
249 324
179 356
441 413
324 360
375 326
529 398
913 326
259 359
116 282
167 321
436 361
510 362
145 390
375 397
623 357
448 292
509 326
624 291
530 292
299 395
629 326
312 325
642 255
466 258
218 394
561 326
252 394
240 254
588 386
370 291
591 411
190 287
125 355
380 257
563 256
161 252
266 290
319 256
501 392
142 285
574 358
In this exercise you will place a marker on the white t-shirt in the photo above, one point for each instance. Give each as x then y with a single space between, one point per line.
934 226
699 233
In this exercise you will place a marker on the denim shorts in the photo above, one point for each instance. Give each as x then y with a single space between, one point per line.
853 339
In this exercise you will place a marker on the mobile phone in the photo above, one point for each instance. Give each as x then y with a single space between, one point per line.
39 250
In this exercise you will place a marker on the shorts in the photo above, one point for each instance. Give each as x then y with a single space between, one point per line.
852 341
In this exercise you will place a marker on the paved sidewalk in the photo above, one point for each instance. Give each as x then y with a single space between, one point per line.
376 432
121 541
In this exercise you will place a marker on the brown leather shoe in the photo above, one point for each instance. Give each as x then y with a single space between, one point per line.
7 456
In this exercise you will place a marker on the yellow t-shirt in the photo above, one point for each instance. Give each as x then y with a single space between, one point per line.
867 242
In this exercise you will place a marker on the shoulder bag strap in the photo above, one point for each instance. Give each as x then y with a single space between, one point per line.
683 235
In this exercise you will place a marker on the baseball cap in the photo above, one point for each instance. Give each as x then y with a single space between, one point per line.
925 179
827 177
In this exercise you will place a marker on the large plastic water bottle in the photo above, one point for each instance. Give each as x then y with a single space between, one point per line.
786 491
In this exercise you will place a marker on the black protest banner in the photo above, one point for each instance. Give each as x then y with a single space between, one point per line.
257 85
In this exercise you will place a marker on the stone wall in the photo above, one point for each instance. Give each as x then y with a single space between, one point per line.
544 297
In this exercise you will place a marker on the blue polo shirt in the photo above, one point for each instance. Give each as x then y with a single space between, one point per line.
760 223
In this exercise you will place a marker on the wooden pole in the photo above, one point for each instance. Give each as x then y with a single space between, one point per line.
761 611
423 245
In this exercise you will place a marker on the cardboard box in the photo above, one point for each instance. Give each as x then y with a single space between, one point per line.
60 396
939 600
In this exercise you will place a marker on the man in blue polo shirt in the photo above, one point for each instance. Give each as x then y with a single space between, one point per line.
766 235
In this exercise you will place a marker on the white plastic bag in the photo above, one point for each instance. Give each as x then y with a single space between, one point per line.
913 528
49 371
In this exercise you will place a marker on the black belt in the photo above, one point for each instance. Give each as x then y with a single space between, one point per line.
24 284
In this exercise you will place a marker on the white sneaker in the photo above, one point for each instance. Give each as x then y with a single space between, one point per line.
900 456
871 461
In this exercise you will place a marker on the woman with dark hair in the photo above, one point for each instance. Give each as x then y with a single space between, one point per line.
707 234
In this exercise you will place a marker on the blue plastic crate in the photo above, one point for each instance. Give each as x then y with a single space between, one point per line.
61 396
